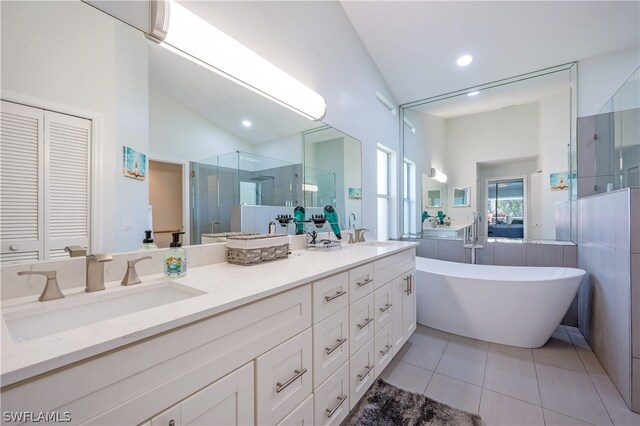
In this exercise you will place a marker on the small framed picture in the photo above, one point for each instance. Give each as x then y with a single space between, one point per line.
134 163
355 193
559 181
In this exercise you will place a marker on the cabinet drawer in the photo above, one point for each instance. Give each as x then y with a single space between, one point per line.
329 296
362 372
332 398
361 323
384 348
383 306
283 378
170 416
330 345
388 268
360 281
301 416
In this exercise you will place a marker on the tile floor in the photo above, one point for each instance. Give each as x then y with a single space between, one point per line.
561 383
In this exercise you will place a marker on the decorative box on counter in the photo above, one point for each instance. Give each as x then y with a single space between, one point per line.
252 249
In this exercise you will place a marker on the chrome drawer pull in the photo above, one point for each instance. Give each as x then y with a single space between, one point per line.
408 280
365 282
282 386
386 307
366 323
387 349
366 372
337 345
338 294
331 411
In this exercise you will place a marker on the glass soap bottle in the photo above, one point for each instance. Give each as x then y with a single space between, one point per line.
175 260
147 243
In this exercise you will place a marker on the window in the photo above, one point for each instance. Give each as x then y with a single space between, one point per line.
42 208
383 164
409 197
505 208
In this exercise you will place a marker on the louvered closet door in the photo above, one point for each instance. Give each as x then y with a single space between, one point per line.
66 217
21 183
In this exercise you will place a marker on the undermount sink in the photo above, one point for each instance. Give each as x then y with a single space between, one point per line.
47 318
379 243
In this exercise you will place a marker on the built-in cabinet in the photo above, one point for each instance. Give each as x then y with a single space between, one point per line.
304 356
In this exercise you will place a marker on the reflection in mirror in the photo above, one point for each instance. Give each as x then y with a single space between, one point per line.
332 175
70 58
521 127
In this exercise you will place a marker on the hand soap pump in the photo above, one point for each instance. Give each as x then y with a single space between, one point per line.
175 260
147 243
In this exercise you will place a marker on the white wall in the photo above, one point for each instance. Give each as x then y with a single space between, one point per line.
600 77
316 43
178 133
287 149
504 134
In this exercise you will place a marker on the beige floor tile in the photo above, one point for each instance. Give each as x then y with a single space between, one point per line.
455 393
406 376
559 353
464 359
512 375
511 350
589 359
424 348
551 418
497 409
613 402
571 393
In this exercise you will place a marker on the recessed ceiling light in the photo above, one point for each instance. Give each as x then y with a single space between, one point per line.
464 60
473 93
246 123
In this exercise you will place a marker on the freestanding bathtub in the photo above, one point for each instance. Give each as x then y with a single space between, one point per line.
511 305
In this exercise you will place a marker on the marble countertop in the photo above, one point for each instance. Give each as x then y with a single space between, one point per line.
225 287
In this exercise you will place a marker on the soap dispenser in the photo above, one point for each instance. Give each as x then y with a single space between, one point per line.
147 243
175 260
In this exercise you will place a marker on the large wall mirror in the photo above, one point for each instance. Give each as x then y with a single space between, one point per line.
206 155
505 149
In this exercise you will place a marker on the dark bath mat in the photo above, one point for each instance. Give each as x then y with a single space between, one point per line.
386 405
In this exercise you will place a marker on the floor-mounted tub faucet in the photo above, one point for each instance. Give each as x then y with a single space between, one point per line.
471 238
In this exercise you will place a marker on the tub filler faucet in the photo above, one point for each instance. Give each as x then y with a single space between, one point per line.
471 238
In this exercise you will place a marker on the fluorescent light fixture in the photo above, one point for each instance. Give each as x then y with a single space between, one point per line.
473 93
247 123
409 124
386 103
464 60
309 187
175 26
437 175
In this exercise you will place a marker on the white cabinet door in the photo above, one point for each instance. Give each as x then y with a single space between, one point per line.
409 305
383 348
361 323
398 288
283 378
330 345
383 303
332 398
330 295
360 281
362 372
223 403
301 416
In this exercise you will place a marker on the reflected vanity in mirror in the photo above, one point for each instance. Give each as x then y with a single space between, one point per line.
485 138
218 156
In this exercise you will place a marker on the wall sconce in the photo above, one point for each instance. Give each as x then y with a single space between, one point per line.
437 175
176 28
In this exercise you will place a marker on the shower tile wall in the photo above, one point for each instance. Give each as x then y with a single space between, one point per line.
604 300
506 253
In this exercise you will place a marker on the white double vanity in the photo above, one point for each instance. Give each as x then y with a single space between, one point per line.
295 341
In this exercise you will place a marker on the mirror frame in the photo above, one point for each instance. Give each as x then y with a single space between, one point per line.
466 199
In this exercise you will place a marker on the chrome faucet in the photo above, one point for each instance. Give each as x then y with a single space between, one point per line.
76 251
51 290
471 241
95 271
360 234
131 276
352 215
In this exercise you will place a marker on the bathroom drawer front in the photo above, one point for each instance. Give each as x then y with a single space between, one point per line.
384 348
332 398
329 296
283 378
362 368
361 323
383 306
330 335
360 281
301 416
388 268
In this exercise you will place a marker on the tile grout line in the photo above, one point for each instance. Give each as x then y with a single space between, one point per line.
484 375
